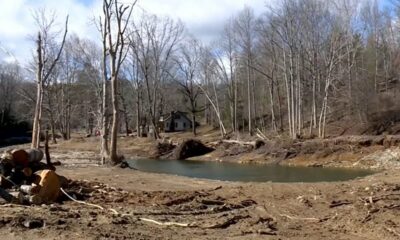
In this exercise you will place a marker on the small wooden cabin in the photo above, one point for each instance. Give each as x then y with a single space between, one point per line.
176 122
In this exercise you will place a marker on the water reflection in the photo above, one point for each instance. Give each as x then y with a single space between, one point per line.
246 173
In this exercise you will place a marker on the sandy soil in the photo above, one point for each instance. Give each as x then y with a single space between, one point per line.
366 208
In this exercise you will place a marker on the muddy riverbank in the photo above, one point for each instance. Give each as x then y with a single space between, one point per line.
139 205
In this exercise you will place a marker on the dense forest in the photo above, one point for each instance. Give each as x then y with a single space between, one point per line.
296 70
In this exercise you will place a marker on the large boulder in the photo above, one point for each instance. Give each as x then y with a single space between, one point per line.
190 148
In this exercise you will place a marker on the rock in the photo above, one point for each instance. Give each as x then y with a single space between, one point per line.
190 148
61 222
124 164
34 223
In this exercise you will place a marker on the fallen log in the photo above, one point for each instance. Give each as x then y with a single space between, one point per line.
212 202
301 218
228 222
373 199
168 223
261 135
339 203
254 144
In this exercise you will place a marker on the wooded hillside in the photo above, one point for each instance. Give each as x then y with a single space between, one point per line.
303 68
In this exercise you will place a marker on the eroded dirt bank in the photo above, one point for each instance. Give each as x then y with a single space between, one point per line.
368 152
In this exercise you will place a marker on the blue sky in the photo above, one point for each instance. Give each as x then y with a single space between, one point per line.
203 18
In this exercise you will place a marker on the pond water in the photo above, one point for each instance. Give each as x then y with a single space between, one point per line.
246 172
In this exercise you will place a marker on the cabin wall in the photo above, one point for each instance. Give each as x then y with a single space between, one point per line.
180 125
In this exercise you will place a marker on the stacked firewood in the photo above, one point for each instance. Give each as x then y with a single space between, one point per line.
25 179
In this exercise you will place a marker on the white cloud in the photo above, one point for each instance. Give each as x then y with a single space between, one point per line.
203 18
17 24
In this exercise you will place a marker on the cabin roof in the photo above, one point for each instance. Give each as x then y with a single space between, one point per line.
177 113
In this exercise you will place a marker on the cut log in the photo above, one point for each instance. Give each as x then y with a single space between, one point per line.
20 157
35 155
49 186
254 144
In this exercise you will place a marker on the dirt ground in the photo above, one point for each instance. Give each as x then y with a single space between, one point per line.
134 204
367 208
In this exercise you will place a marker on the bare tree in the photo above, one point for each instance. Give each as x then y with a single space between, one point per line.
245 25
154 42
45 66
116 18
227 63
188 61
208 82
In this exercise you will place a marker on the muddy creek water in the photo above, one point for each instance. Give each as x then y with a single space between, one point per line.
246 172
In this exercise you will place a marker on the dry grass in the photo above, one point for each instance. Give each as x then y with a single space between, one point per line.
132 146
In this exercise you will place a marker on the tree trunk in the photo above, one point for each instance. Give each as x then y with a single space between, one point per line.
194 123
39 92
105 152
115 119
138 115
249 98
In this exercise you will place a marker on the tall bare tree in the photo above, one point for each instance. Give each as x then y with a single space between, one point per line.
116 19
188 62
45 64
154 42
